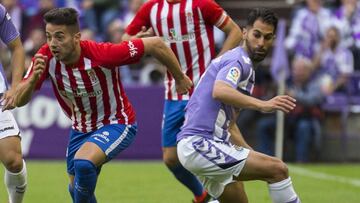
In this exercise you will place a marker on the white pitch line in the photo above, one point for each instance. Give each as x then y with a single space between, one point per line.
324 176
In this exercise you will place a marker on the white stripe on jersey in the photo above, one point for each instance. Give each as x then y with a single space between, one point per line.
153 14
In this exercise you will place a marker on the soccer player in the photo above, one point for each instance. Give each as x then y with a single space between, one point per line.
10 148
204 143
85 79
187 28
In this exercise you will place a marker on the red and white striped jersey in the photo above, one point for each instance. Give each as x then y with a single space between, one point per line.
90 92
187 27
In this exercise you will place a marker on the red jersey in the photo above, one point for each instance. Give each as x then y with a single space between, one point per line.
90 92
187 27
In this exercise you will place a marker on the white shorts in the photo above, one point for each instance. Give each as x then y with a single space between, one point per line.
214 163
8 125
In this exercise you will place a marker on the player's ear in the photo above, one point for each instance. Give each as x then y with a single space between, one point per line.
244 31
77 36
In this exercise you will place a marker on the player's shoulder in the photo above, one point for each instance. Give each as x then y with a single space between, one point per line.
3 12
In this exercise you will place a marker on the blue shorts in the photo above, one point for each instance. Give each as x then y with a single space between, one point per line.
112 139
173 119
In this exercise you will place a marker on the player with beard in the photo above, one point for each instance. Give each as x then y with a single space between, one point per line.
205 142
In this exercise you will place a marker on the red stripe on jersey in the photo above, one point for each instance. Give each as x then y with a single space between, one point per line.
61 87
78 100
105 95
119 107
186 44
89 89
199 42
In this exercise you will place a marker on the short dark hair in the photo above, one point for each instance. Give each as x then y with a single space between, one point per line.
62 16
266 15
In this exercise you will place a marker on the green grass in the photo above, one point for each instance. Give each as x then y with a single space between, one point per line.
150 182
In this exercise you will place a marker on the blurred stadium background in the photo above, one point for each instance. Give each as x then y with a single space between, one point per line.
330 173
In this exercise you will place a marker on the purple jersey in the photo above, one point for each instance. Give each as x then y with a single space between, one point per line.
208 117
8 33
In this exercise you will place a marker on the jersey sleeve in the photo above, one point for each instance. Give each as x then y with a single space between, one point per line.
111 55
142 18
44 51
230 74
8 31
213 13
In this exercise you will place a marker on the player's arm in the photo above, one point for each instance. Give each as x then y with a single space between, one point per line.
156 47
236 136
233 35
144 32
27 86
17 68
225 93
140 25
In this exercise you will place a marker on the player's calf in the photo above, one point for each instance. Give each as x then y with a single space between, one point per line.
85 180
16 182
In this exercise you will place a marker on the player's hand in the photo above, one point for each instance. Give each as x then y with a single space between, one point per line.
39 66
283 103
8 100
183 85
145 32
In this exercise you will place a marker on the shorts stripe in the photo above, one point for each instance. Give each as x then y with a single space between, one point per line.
118 141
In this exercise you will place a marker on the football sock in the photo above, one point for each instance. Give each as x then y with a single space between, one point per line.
283 192
16 184
85 181
71 191
188 179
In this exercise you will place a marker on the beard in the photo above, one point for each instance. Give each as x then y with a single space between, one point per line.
256 55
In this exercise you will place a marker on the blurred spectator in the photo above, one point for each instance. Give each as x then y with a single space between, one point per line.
36 21
115 31
152 73
97 15
87 34
303 123
35 40
134 6
348 16
333 63
307 28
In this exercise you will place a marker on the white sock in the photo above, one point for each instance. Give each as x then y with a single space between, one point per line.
16 184
283 192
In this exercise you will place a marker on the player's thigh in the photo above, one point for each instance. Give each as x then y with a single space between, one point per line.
234 192
99 146
259 166
170 156
10 147
173 119
214 163
106 143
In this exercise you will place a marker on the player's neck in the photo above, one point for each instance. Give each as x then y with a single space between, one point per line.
73 60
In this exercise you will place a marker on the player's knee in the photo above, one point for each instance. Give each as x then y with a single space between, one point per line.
83 166
14 163
280 171
170 158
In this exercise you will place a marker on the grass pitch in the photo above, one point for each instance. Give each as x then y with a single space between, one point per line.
150 182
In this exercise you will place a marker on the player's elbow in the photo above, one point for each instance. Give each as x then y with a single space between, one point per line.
153 45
